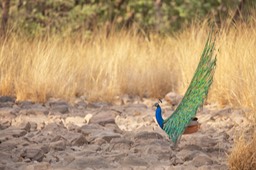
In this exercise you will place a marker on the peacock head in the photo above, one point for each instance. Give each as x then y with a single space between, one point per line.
157 104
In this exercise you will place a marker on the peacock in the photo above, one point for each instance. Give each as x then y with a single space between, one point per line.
184 114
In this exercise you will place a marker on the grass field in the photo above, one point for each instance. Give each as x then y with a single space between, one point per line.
127 62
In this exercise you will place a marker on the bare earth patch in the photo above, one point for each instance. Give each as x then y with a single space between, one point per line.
80 135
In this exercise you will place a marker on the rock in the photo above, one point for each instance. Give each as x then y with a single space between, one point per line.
106 135
34 110
25 104
8 113
75 120
54 128
38 118
90 128
104 118
208 142
4 124
57 105
38 166
6 104
33 153
7 146
12 132
4 99
79 141
54 101
121 144
114 128
201 160
147 135
98 141
173 98
133 160
33 126
64 160
13 166
5 158
134 108
95 162
58 145
60 108
80 104
99 105
25 126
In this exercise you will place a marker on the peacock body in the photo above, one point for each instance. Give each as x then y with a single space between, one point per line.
197 91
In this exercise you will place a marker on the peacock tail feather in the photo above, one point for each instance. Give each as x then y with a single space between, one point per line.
197 91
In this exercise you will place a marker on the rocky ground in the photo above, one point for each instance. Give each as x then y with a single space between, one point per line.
124 135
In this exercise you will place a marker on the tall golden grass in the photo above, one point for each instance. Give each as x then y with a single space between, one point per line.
126 62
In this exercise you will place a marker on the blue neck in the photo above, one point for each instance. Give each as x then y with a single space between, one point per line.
159 118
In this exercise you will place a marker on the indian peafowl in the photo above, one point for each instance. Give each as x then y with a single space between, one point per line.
176 124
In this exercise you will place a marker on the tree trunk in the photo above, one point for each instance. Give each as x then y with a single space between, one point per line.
159 15
5 15
238 13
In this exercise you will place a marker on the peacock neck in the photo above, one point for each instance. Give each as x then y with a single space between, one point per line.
159 117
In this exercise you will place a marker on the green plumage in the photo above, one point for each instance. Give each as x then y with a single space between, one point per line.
197 91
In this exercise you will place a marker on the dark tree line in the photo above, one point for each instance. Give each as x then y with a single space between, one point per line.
75 15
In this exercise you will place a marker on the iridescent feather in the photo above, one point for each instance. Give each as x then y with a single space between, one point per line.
197 91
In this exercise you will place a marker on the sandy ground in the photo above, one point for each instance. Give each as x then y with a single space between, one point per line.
123 135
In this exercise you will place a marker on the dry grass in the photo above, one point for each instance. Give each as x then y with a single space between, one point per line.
243 156
127 63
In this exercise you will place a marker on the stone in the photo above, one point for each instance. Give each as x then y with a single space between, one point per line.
147 135
62 108
65 160
8 146
33 153
4 124
5 157
80 104
25 104
90 128
75 120
34 110
58 145
114 128
133 160
79 141
38 166
98 141
4 99
104 118
173 98
25 126
33 126
106 135
12 132
121 144
95 162
38 118
8 113
6 104
99 105
201 160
